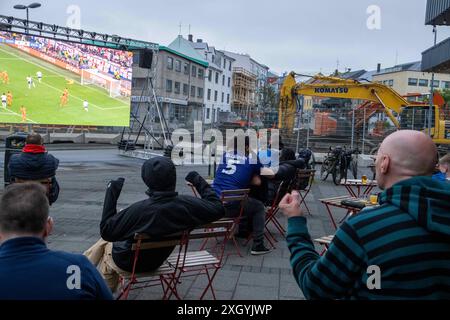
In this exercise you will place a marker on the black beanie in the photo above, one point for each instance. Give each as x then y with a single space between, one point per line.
159 174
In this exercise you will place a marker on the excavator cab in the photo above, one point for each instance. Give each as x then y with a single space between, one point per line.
416 118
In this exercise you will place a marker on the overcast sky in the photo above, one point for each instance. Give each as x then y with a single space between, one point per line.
301 35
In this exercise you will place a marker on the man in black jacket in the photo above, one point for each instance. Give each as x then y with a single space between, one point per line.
163 213
35 164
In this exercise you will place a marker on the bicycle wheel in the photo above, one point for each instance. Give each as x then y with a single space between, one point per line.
340 172
312 162
325 170
354 168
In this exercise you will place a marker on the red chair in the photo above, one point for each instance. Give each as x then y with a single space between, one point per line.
167 275
303 185
271 215
204 262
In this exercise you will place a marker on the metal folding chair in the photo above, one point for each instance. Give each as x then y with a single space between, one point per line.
303 184
204 262
167 275
325 242
271 214
232 196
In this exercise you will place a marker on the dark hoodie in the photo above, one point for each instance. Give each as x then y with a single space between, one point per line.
407 237
164 213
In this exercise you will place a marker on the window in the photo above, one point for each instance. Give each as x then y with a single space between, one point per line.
177 87
229 82
423 83
208 113
210 75
209 94
413 81
169 85
185 89
217 77
229 66
213 58
436 83
186 68
169 63
228 98
215 95
224 63
391 83
193 91
201 73
446 84
177 65
194 71
223 97
200 92
223 80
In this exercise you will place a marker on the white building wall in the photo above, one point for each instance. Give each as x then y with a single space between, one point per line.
218 86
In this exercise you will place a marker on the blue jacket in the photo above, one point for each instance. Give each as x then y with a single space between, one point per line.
33 166
30 271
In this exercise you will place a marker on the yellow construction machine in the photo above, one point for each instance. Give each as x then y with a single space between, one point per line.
404 114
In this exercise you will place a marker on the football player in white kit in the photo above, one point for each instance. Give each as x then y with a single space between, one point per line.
4 100
86 105
39 76
30 82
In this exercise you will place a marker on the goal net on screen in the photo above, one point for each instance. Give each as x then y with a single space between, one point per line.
93 77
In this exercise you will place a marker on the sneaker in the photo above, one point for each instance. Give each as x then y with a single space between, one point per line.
260 250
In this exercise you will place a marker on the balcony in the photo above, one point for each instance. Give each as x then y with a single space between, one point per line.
437 58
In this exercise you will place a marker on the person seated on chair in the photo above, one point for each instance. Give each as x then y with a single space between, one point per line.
286 172
241 169
404 241
35 164
28 269
163 213
443 169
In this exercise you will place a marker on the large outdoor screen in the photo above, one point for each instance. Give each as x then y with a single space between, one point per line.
46 81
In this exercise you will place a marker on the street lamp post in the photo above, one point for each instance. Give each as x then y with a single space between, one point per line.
34 5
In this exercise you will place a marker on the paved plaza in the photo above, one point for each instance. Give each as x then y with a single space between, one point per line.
83 176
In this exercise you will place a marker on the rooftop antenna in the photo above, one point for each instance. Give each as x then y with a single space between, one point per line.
180 25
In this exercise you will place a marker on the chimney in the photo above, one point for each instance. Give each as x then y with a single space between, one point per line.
191 38
199 40
379 68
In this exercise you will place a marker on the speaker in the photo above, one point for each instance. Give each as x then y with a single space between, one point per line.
146 59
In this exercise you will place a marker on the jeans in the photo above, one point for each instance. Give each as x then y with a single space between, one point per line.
254 213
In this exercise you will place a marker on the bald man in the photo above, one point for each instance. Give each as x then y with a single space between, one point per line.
398 250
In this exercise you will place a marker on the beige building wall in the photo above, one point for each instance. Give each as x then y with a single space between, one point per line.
409 82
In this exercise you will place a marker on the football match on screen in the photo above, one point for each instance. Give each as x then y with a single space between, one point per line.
44 81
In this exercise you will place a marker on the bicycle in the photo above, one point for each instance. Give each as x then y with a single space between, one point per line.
337 163
307 155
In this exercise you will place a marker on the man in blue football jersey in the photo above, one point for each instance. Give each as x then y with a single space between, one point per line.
241 169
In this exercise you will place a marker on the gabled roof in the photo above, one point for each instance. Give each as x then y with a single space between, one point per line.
185 49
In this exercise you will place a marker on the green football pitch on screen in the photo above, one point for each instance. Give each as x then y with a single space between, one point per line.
41 101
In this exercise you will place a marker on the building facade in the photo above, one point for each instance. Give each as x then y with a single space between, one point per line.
249 79
179 86
409 79
218 80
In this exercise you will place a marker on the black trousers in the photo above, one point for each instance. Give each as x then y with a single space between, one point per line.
254 216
